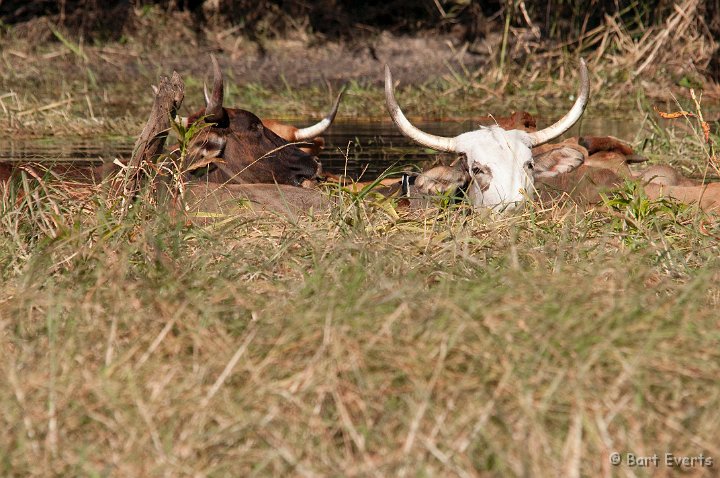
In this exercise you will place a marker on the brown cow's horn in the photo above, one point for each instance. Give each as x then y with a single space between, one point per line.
320 127
439 143
566 122
213 104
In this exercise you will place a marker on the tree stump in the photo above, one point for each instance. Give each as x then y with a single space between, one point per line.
149 145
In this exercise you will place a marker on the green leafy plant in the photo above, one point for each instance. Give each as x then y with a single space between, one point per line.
637 216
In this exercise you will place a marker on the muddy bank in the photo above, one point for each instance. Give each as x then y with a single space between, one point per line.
413 60
293 63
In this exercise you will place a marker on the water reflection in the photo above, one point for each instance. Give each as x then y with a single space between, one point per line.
83 151
353 147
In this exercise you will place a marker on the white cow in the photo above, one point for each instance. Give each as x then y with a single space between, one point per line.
499 162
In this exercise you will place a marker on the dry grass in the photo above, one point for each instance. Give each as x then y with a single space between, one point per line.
432 343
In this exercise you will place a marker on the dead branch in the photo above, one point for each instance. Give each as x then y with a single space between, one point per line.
168 98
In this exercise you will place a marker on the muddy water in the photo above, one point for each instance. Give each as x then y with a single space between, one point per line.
358 148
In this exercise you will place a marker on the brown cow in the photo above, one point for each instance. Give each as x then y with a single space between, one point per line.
233 154
237 148
521 120
293 133
234 147
606 168
605 165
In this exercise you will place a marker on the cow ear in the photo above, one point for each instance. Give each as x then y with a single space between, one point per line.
442 180
562 159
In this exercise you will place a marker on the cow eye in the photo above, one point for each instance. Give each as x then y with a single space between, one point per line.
477 171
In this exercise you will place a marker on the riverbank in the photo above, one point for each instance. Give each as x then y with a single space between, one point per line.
51 83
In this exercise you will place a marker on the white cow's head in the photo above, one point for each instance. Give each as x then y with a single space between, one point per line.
499 162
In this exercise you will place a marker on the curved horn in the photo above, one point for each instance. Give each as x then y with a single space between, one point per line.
439 143
319 128
205 93
566 122
213 104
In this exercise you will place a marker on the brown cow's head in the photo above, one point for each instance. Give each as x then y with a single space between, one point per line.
237 148
521 120
311 134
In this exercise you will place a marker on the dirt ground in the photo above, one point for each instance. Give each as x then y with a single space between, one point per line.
675 50
418 59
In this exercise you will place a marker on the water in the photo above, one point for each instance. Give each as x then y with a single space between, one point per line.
82 151
376 146
358 148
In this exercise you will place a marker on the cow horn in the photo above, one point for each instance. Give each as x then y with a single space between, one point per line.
439 143
319 128
567 121
213 104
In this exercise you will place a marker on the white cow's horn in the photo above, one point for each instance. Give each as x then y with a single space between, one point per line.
319 128
439 143
566 122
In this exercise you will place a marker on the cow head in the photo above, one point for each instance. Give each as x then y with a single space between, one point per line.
241 149
499 161
311 134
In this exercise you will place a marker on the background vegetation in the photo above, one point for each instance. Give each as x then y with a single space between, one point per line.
557 20
93 61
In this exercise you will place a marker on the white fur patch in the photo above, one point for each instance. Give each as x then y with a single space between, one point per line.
505 154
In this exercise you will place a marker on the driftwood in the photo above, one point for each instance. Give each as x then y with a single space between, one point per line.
168 98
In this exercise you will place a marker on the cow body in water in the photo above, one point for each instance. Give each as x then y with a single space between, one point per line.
606 167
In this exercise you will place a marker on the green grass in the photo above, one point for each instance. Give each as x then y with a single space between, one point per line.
433 343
